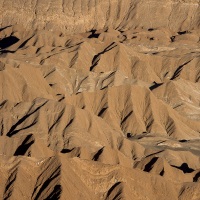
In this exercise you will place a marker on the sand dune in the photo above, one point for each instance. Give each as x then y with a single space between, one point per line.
100 100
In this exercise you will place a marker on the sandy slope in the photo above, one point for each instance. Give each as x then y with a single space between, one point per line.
105 106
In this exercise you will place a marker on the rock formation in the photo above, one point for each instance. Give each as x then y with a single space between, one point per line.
100 99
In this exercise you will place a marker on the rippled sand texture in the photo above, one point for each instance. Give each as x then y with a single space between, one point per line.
100 99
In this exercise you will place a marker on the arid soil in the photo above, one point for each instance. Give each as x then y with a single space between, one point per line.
100 99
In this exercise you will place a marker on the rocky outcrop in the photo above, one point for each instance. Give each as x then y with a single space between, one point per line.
73 16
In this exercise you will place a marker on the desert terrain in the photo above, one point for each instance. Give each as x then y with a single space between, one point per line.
100 99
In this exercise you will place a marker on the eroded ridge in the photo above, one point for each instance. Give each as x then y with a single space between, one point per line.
105 108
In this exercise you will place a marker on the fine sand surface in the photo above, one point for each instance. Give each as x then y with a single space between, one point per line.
100 99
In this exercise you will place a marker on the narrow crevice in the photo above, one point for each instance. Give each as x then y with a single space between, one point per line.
93 34
126 117
24 147
97 155
55 194
184 167
196 177
24 43
149 166
182 32
178 70
8 41
162 172
12 130
102 112
97 57
115 191
155 85
47 183
67 150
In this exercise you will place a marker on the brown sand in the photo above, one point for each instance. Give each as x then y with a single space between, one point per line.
100 100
